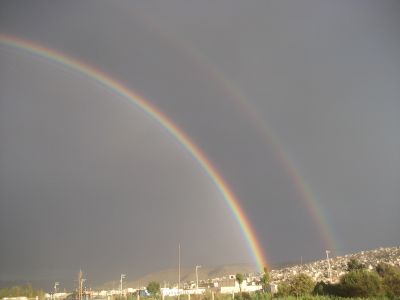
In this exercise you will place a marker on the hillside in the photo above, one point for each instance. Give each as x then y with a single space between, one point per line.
187 274
316 269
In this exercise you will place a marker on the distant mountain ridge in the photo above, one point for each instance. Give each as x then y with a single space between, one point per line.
390 254
38 284
187 274
170 276
319 270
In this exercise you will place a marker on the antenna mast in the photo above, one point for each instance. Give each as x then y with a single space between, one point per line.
329 265
179 271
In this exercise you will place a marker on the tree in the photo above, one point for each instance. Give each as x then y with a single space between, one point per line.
360 283
29 291
385 269
245 296
323 288
265 279
153 288
354 265
239 279
391 284
17 291
390 278
301 284
283 289
320 288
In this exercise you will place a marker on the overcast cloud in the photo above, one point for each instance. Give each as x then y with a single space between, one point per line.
87 180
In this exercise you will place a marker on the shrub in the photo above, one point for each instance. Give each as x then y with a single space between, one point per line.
390 279
283 289
360 283
301 284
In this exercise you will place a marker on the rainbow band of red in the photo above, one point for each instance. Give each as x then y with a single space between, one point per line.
166 123
244 104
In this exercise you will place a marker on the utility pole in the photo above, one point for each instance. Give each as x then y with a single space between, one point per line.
179 271
197 278
56 284
120 287
55 288
329 265
80 284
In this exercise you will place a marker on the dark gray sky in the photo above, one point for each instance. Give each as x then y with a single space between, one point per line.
87 180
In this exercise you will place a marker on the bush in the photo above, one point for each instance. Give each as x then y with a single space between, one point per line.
360 283
301 284
320 288
260 295
392 285
283 289
153 288
355 265
390 279
245 296
21 291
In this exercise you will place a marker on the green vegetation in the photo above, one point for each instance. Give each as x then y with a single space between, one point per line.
383 283
265 280
354 265
21 291
266 296
239 279
153 288
390 279
283 289
301 285
360 283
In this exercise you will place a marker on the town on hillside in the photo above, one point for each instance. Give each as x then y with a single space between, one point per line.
328 270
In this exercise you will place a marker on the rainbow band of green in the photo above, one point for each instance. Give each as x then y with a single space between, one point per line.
162 120
307 196
299 181
304 190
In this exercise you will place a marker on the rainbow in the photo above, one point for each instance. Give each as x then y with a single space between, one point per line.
158 116
307 196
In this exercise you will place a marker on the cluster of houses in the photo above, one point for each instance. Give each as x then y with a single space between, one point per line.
324 270
327 270
225 285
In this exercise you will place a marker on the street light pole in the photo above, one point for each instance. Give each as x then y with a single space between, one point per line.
197 277
80 284
56 284
179 271
122 277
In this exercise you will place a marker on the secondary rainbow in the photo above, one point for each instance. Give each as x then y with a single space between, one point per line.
307 196
299 181
162 120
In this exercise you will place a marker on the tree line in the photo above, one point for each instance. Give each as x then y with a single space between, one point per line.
21 291
357 282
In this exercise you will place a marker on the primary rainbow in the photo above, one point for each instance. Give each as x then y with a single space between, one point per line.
166 123
307 196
